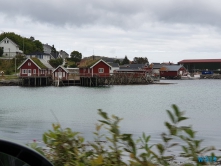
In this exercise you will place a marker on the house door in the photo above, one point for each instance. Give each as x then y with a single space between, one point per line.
29 72
60 74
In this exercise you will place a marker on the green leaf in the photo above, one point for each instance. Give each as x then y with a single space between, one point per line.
45 138
171 116
176 110
103 114
182 118
105 122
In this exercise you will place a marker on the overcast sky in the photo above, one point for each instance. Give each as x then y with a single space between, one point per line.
161 30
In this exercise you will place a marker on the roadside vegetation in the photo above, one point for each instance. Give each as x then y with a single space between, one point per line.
68 148
8 65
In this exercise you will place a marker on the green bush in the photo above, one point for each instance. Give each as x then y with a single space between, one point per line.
8 72
69 148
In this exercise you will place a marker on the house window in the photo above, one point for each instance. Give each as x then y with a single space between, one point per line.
63 74
24 71
34 71
101 70
29 63
88 70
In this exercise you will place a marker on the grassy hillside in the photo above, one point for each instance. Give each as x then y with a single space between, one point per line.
8 65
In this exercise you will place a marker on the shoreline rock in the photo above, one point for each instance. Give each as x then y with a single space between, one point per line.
9 82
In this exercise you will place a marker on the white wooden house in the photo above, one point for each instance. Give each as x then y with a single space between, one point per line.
10 49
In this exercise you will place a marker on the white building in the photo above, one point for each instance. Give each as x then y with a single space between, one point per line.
10 49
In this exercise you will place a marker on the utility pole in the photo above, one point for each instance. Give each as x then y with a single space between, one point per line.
15 65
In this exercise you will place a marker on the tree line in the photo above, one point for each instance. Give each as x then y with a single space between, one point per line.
28 45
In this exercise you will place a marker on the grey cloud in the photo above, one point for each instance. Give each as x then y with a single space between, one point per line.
124 14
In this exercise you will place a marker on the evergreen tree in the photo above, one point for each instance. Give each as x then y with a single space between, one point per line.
125 60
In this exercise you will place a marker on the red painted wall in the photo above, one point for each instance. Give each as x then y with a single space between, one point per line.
84 71
172 73
61 70
32 67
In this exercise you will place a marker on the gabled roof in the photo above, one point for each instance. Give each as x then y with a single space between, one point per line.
39 63
170 67
62 68
101 60
9 40
200 61
114 64
88 62
45 63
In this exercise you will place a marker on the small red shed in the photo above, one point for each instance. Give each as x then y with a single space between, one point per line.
172 71
35 67
61 73
97 67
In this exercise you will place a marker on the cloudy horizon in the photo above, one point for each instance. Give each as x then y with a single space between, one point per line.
162 30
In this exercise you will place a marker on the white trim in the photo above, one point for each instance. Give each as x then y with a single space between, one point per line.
9 40
24 71
62 68
34 71
26 61
99 62
100 69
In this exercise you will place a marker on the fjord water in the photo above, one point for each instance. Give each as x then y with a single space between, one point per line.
27 112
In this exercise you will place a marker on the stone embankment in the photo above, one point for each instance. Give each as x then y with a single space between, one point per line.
14 82
210 76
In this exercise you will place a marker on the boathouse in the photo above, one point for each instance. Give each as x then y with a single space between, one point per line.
194 65
65 76
94 72
172 71
35 72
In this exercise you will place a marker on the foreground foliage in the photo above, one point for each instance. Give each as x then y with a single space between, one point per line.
68 148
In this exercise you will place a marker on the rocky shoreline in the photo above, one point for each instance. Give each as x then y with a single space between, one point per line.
14 82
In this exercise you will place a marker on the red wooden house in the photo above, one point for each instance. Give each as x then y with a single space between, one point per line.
33 67
61 73
94 67
172 71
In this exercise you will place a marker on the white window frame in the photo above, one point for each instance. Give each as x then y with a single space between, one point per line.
100 70
29 63
88 70
63 74
24 71
34 71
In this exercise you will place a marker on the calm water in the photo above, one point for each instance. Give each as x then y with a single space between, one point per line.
26 113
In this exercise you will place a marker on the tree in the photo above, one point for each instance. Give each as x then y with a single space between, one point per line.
76 56
38 45
125 60
117 61
56 62
141 60
1 51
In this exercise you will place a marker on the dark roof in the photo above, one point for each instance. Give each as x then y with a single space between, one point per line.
131 70
156 65
132 66
55 54
38 53
108 60
114 64
200 61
